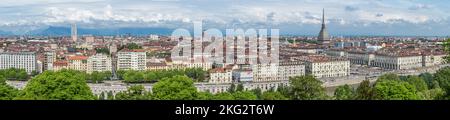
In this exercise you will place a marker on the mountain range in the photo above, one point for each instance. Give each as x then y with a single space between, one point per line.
66 31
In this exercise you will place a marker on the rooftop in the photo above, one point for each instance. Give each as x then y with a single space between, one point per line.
77 57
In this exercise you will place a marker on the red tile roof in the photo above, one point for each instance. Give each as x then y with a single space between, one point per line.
78 57
60 63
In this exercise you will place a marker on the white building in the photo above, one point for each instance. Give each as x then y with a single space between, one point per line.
74 33
99 63
360 57
131 60
49 58
336 53
19 60
89 39
243 74
290 69
397 61
220 75
410 59
77 62
326 66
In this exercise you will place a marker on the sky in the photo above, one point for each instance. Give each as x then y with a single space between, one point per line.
299 17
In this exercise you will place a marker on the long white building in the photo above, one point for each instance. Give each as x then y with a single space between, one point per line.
326 66
19 60
399 59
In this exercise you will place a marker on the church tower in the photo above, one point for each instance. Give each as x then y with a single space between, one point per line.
323 35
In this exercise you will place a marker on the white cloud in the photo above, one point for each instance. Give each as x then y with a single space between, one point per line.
177 13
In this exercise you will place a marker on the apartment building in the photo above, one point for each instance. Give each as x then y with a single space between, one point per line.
131 59
99 63
19 60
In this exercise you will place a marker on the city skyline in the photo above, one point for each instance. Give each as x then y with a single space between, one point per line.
372 17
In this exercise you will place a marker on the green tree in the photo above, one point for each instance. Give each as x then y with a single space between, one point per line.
418 82
2 79
257 92
284 90
106 75
132 46
442 77
96 77
121 73
130 76
394 90
239 87
175 88
273 95
435 84
344 92
22 75
110 95
232 88
306 88
364 91
102 50
60 85
14 74
223 96
136 92
389 76
7 92
34 73
428 78
244 95
204 96
150 76
197 74
101 96
432 94
447 49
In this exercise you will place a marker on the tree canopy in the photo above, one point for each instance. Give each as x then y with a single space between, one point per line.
364 91
344 92
60 85
175 88
14 74
417 82
7 92
442 78
273 95
306 88
136 92
394 90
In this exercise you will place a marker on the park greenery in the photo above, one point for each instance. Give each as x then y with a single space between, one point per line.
14 74
72 85
131 46
425 86
150 76
102 50
60 85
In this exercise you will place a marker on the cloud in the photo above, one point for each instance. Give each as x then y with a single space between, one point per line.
419 7
379 15
217 13
351 8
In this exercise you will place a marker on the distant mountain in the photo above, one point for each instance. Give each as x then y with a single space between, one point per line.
65 31
5 33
